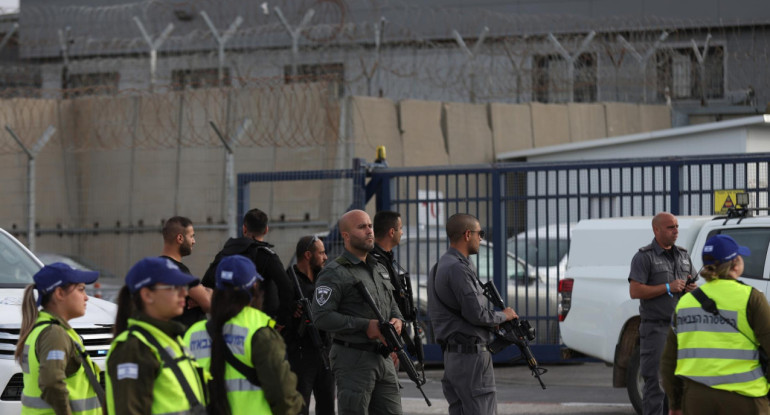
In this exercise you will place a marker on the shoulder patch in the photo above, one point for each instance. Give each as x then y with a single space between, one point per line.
322 294
55 355
128 371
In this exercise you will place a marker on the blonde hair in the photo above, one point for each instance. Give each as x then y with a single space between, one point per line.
29 315
715 271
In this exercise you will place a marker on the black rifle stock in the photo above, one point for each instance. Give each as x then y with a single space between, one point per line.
307 319
513 332
393 340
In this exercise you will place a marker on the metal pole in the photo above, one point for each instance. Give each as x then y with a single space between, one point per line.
642 59
471 56
64 39
379 29
701 57
31 154
230 202
294 33
154 46
571 59
221 41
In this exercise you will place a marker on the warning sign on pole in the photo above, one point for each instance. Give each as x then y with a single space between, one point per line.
724 200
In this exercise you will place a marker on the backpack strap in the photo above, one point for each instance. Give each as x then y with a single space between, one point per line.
170 363
86 363
249 373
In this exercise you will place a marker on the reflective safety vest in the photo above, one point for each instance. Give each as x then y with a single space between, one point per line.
711 351
168 396
243 396
82 397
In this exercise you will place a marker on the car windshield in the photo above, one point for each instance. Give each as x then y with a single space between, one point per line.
16 266
542 252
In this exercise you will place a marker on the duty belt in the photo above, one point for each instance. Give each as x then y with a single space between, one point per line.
367 347
465 348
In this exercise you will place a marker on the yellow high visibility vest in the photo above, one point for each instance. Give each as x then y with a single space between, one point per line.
710 351
82 397
242 395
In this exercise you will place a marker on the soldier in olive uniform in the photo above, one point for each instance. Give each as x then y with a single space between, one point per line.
658 275
366 376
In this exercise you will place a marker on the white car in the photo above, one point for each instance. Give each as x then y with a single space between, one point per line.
17 266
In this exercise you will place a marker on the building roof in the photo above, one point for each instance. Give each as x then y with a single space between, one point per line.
742 135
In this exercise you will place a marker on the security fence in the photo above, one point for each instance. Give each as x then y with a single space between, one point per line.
528 211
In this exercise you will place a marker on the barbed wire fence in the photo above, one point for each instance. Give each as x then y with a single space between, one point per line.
150 76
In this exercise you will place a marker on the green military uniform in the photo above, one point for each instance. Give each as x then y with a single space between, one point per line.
366 379
137 381
256 344
706 366
55 380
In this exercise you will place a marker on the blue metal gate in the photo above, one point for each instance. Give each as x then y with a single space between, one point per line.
528 211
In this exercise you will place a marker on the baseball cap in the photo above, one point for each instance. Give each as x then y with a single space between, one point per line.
236 271
60 274
154 270
722 248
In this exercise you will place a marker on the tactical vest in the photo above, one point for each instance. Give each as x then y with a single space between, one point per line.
82 397
169 398
243 396
711 351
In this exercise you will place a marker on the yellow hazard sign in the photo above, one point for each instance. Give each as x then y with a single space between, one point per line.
724 200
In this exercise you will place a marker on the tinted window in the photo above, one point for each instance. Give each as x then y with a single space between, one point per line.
16 266
542 252
756 239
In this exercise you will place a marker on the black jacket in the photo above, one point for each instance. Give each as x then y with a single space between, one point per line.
278 291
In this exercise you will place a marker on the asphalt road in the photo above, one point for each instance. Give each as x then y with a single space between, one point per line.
577 389
570 389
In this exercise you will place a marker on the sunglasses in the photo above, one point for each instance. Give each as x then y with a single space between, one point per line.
481 233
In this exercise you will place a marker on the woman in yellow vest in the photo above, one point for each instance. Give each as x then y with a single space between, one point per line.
243 353
59 377
710 364
148 369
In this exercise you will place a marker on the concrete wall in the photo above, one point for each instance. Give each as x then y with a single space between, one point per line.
134 161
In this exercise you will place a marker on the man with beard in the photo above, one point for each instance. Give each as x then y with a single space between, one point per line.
278 293
304 356
462 318
178 242
365 374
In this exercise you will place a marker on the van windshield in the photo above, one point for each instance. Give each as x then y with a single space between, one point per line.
16 266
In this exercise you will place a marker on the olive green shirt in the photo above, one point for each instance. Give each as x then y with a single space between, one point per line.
338 307
135 396
758 317
52 373
278 382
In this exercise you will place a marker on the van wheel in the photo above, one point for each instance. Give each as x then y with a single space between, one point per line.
634 380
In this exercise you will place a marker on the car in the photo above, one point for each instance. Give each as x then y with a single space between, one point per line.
108 285
546 248
17 266
527 291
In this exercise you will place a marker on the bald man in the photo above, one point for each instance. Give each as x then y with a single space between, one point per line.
657 278
365 375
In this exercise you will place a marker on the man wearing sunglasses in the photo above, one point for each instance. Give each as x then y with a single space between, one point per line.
462 317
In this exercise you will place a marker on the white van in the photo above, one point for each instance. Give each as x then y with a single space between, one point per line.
17 266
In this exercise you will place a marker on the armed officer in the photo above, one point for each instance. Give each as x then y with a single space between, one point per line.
462 318
366 376
388 231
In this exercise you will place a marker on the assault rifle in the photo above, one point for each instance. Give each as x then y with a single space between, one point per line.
307 323
393 341
511 332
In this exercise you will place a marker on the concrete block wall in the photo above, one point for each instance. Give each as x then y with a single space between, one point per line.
108 183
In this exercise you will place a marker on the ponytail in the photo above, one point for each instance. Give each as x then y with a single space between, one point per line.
29 315
717 270
127 304
225 304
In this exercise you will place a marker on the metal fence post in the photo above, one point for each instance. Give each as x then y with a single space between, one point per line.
294 33
675 187
31 154
230 180
154 46
498 234
359 184
221 40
